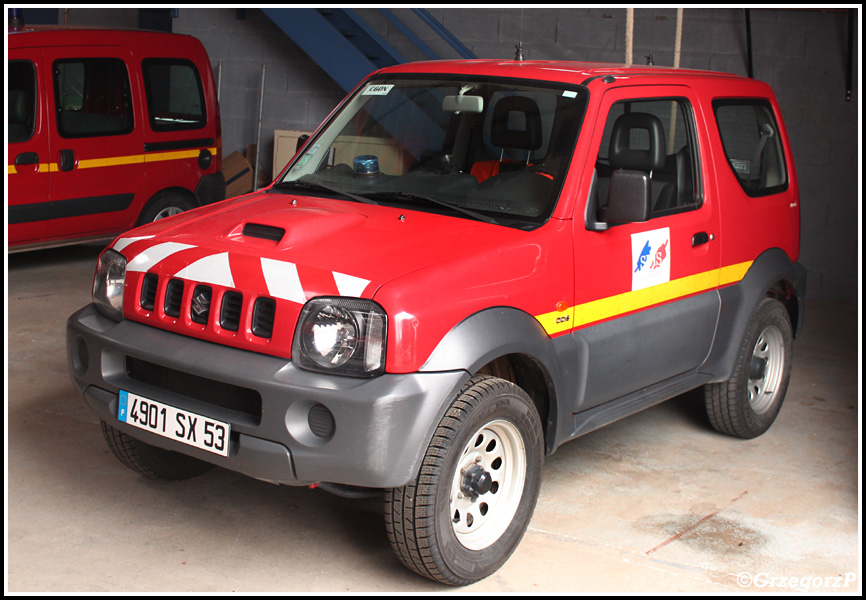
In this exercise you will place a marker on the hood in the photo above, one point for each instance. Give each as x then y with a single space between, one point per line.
280 250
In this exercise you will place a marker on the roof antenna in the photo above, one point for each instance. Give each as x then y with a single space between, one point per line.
518 54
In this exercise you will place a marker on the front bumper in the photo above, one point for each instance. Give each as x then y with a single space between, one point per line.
378 436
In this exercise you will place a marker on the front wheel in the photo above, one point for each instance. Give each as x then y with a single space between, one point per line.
150 461
472 500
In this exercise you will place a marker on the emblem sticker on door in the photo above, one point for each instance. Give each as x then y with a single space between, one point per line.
651 258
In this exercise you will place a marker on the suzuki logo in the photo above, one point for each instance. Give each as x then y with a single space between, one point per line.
200 304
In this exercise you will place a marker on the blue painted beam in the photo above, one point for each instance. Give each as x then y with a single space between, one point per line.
331 50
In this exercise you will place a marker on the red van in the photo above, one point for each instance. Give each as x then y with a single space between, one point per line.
106 130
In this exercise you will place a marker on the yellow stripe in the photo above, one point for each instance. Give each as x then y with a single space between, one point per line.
613 306
114 161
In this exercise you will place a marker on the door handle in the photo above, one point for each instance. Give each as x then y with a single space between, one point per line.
67 160
27 158
702 237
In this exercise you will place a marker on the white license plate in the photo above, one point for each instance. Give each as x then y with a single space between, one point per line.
173 423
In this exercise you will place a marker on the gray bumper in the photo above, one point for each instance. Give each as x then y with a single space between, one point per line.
381 426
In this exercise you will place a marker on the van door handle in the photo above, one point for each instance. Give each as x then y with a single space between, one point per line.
699 238
27 158
67 160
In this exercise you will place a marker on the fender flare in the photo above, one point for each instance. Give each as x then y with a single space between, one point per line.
740 301
498 332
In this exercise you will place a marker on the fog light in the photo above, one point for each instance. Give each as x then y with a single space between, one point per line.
321 421
80 357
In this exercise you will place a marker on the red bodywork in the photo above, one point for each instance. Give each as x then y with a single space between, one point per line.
430 272
112 177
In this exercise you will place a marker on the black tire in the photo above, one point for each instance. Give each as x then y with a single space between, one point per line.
471 503
151 461
165 204
747 404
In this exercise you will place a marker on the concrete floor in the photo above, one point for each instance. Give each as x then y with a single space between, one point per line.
656 503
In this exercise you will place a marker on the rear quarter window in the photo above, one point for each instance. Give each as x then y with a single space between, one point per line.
175 98
750 136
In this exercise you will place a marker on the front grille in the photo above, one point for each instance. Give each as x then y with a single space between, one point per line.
173 297
148 291
225 395
264 311
232 308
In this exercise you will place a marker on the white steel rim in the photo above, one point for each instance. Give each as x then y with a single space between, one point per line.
769 348
168 212
479 520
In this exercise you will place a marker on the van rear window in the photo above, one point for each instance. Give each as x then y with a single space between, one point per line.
175 99
92 97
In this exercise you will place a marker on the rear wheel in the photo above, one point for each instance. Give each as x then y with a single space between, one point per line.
165 204
151 461
747 404
471 503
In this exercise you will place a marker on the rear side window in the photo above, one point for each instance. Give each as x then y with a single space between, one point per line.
750 137
175 99
22 100
92 97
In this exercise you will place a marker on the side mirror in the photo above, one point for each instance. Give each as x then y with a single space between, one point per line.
302 139
629 199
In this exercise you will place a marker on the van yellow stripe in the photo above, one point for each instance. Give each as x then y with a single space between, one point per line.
114 161
620 304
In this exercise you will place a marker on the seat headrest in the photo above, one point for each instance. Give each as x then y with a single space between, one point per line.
623 156
516 124
18 108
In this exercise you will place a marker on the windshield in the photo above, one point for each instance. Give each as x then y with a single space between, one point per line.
495 148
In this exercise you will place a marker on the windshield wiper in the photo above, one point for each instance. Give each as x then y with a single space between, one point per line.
320 187
409 196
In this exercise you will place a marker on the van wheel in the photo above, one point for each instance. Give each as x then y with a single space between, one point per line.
151 461
164 204
472 500
747 404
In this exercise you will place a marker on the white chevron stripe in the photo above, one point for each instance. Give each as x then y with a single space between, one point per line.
348 285
283 281
213 269
124 242
154 254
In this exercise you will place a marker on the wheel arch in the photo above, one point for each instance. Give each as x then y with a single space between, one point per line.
512 345
157 196
771 275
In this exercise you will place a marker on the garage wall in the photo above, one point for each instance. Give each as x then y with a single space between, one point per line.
801 53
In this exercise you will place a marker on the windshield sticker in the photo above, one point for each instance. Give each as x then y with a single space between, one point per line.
377 90
651 258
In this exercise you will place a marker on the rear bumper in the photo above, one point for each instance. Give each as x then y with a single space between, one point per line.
380 427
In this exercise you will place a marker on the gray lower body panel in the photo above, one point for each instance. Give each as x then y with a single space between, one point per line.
380 427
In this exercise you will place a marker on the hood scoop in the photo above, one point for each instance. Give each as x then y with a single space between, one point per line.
291 229
264 232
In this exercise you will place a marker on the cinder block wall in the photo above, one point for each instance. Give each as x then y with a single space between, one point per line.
801 53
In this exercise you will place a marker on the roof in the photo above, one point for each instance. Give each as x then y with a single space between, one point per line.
564 71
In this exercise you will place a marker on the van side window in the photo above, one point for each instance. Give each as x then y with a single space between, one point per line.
750 137
22 100
175 98
92 97
655 137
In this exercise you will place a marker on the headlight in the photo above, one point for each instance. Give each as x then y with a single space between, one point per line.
344 336
108 284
